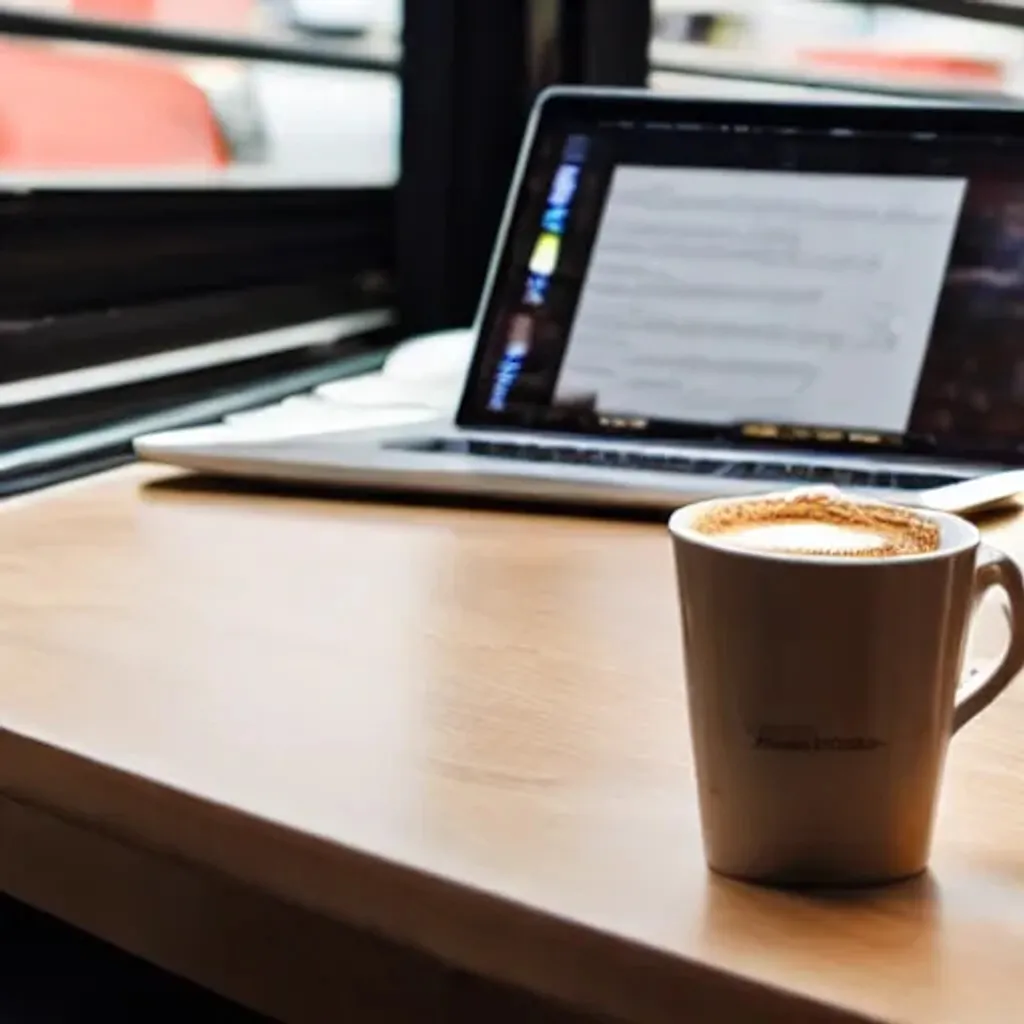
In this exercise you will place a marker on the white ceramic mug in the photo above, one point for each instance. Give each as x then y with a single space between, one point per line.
823 692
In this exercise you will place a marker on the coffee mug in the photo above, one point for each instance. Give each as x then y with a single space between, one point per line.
822 694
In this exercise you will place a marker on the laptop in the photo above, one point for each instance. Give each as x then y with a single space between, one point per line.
697 298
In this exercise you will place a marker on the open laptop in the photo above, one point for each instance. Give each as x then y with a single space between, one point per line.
700 298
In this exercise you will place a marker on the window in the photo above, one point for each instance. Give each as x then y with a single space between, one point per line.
73 106
842 50
197 198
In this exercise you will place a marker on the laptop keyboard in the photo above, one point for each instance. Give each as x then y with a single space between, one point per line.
691 465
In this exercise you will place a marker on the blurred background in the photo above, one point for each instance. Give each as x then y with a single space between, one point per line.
81 106
974 52
211 206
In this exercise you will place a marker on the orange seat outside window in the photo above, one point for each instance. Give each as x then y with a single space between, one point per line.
68 109
230 16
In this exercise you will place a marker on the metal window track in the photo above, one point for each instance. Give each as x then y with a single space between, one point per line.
67 457
353 55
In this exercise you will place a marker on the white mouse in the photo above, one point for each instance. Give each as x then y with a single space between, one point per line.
441 356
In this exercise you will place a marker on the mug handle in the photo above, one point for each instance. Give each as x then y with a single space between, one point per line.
994 569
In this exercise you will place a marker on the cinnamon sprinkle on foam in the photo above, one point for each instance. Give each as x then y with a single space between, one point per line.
899 531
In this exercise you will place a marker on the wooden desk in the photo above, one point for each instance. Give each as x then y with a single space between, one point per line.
339 761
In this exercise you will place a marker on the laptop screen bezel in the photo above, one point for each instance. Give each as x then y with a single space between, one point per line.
578 107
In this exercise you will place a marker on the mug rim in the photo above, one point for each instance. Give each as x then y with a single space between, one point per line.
967 534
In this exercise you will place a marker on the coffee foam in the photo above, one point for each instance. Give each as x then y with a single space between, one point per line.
819 522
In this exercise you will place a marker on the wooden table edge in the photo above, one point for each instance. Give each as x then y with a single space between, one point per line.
465 928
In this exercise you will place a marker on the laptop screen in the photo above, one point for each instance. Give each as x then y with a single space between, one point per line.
846 278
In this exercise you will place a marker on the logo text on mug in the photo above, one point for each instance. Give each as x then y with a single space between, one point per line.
807 739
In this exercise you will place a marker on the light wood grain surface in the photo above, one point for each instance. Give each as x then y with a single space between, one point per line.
461 731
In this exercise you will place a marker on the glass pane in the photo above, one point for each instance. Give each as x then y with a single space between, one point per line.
68 108
849 44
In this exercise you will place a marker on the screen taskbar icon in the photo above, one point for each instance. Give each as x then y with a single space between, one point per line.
517 347
545 254
547 249
563 186
575 149
536 292
555 219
